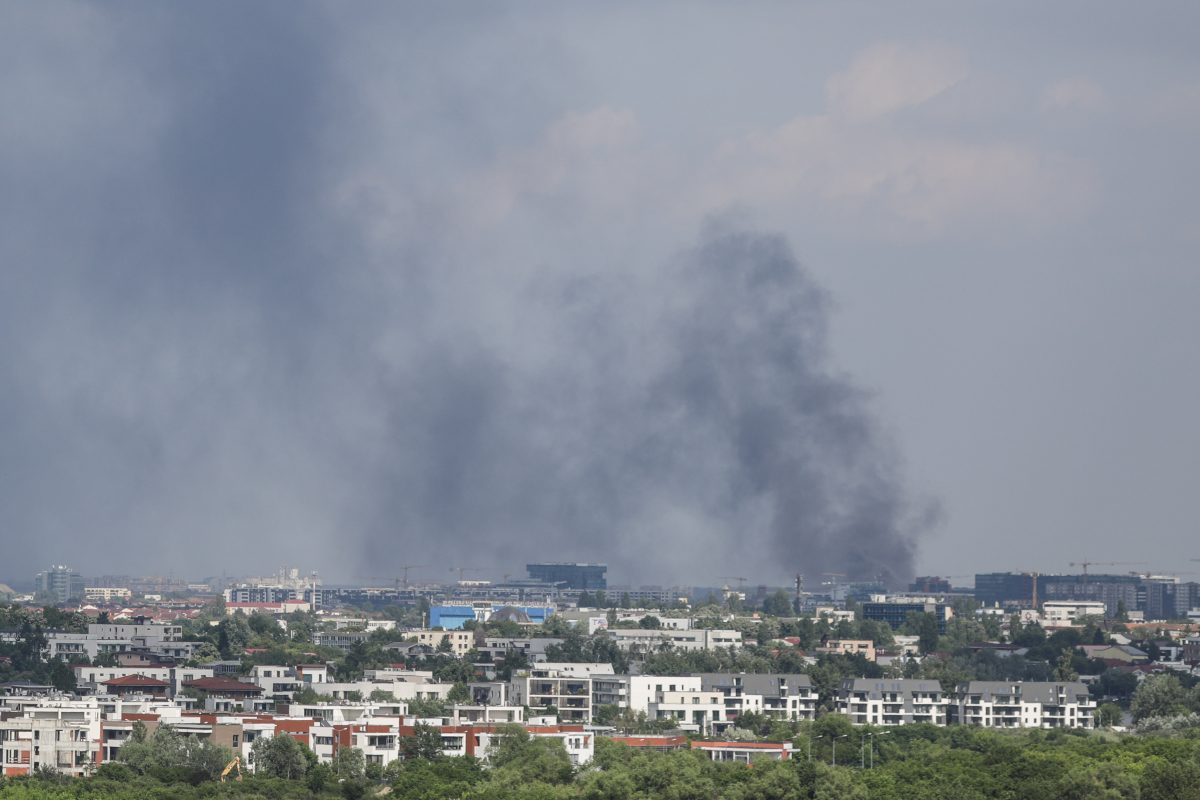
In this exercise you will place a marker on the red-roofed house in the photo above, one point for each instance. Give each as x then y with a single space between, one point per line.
137 684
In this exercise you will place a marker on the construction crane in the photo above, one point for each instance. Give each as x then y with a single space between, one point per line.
1086 564
464 570
404 569
232 765
397 581
741 581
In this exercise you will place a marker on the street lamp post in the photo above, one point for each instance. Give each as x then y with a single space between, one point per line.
835 738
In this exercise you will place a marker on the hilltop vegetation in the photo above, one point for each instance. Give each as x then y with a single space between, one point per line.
911 762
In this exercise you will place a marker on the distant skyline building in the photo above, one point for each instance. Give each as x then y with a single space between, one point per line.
60 583
570 575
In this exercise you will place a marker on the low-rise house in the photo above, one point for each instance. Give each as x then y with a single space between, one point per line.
1122 653
744 752
659 744
140 685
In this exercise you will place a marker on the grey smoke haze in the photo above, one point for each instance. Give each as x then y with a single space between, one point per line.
282 282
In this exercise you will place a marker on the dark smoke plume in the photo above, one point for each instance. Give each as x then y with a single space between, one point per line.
246 320
681 428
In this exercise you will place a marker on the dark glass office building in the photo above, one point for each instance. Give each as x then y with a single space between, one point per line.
589 577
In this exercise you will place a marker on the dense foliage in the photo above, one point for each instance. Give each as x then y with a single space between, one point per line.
911 762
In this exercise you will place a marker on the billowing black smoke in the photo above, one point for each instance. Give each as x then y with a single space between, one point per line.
684 427
249 317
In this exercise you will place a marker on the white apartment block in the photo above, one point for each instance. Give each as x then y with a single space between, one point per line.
848 647
565 687
1063 613
62 745
120 638
696 711
785 697
106 594
882 701
1001 704
646 641
461 642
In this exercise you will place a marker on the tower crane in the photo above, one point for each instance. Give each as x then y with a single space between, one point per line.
1086 564
396 580
464 570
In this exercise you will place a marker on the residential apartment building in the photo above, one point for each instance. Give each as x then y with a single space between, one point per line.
1002 704
648 641
460 642
163 641
696 711
786 697
565 687
106 594
881 701
849 647
1066 613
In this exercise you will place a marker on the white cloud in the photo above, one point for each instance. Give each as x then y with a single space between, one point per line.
856 169
889 77
1077 94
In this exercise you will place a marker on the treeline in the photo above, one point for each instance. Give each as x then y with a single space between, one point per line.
888 764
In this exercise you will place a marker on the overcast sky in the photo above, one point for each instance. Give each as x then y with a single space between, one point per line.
694 289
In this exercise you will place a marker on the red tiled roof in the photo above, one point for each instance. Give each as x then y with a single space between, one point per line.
137 680
218 685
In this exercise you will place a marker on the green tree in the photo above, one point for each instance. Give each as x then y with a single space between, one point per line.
1065 670
426 707
348 763
925 628
778 604
534 759
1107 715
1170 780
62 676
1159 696
425 743
278 756
168 754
